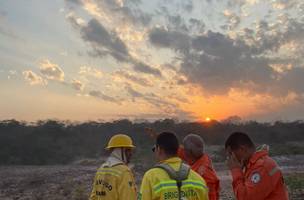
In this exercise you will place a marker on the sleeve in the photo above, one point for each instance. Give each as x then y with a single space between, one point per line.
93 193
257 186
145 189
127 187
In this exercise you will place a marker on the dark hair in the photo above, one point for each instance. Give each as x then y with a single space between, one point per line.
168 142
237 139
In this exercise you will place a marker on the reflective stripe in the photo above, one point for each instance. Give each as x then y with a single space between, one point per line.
109 171
172 185
273 171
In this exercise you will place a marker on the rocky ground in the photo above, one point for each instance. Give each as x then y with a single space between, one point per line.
74 181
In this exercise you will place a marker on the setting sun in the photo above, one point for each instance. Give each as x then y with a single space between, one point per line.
207 119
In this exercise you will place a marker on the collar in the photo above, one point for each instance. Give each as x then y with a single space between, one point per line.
203 159
260 152
115 158
171 160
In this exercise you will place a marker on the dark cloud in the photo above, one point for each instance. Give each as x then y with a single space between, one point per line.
142 67
134 78
104 41
134 16
100 95
154 100
215 61
292 80
170 39
133 93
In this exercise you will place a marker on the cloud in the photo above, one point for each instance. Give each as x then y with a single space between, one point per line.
108 43
214 61
154 100
74 1
75 21
33 79
77 85
103 41
90 71
120 11
133 93
219 62
104 97
234 53
142 67
232 20
161 37
135 78
51 71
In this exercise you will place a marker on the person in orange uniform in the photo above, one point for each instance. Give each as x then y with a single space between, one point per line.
255 175
193 153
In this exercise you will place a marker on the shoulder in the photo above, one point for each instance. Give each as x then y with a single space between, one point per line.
117 170
265 162
195 176
155 171
122 169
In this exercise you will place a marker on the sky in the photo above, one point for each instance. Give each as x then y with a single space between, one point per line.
85 60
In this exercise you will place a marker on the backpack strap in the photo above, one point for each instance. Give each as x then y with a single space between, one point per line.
178 176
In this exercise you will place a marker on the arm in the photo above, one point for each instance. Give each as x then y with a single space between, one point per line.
93 193
145 189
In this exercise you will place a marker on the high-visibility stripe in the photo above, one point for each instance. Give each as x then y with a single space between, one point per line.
273 171
109 171
172 185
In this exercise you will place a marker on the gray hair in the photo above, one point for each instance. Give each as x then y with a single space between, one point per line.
194 145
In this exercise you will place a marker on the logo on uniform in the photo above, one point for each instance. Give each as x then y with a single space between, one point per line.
130 183
255 178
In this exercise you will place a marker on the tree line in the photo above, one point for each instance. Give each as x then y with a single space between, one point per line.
60 142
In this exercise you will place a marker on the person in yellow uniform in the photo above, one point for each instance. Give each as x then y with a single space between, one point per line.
171 179
114 180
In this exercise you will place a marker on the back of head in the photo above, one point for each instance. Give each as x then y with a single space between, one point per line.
238 139
168 142
194 145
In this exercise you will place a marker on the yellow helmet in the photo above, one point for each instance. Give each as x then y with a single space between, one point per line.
120 140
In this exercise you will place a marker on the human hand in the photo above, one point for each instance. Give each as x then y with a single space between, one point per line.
233 162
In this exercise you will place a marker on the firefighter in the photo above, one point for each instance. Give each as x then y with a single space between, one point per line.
171 179
114 180
255 175
193 153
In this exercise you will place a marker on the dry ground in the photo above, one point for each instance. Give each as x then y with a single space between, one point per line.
74 181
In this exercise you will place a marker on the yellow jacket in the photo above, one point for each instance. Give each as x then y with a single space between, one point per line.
114 183
156 184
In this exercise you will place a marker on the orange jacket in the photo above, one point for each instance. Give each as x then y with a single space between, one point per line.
204 168
260 180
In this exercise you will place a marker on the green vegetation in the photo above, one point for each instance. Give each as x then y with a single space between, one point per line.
295 181
287 149
56 142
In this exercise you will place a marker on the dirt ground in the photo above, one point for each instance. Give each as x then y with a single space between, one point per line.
74 181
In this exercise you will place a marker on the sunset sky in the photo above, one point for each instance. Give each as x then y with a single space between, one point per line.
150 59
